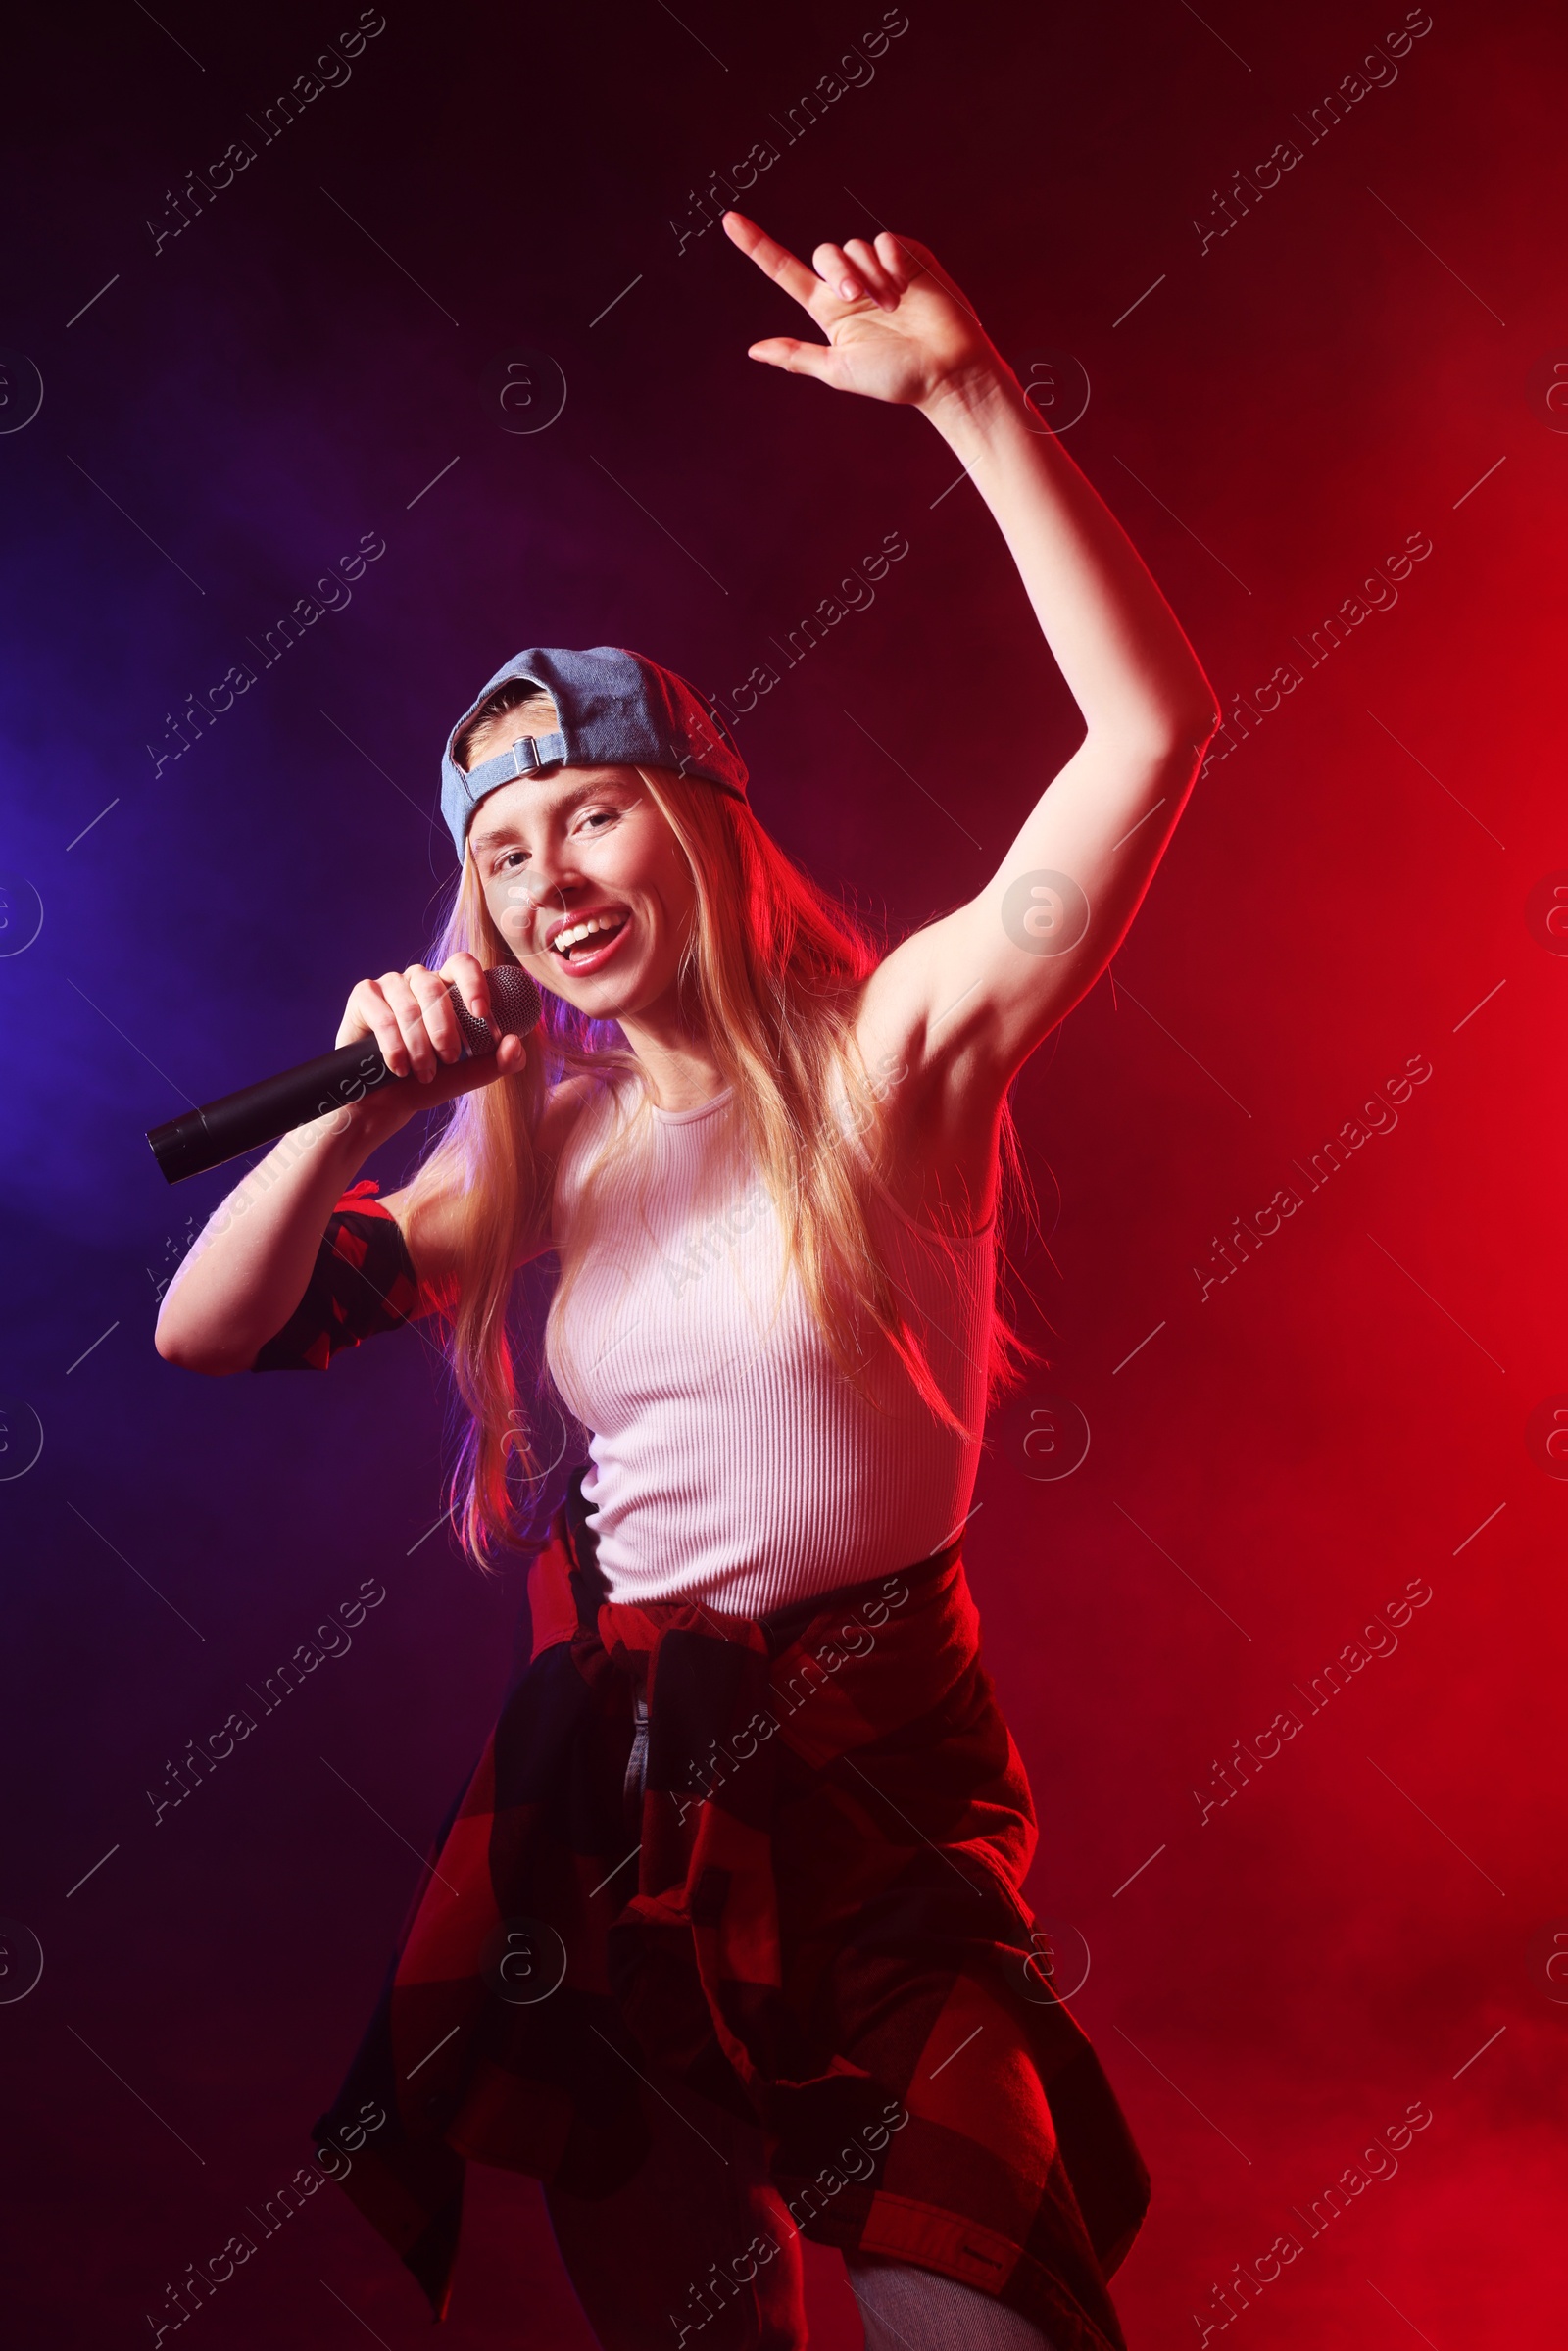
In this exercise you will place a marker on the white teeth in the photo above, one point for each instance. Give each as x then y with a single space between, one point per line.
564 939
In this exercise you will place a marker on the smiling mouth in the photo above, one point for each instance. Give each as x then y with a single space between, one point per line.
580 944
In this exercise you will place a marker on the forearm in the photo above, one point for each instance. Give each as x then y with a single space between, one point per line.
249 1266
1115 640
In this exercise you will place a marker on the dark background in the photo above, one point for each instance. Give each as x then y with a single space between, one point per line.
1365 1926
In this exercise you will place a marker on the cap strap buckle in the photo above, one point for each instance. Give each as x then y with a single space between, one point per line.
530 755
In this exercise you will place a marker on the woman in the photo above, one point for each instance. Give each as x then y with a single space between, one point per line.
768 1159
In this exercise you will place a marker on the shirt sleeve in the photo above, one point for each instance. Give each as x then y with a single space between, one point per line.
362 1282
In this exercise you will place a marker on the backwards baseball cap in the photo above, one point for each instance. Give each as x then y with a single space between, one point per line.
612 709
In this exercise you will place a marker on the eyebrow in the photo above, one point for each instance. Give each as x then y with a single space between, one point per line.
588 789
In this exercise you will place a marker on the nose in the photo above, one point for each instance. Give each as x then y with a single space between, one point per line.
543 887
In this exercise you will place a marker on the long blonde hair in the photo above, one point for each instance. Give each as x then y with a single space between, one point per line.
770 975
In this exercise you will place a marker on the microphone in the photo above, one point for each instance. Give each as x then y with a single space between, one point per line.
221 1129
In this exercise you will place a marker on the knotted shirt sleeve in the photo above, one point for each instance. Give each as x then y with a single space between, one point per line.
362 1282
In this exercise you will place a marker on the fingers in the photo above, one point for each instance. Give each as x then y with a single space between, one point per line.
775 259
894 255
369 1014
916 262
469 973
867 266
401 1013
434 1033
882 270
854 273
412 1018
837 272
410 1052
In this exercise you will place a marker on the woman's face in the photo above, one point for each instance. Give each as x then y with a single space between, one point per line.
587 847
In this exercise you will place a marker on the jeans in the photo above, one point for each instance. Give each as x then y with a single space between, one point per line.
698 2253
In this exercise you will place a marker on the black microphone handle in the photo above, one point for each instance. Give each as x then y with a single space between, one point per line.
236 1122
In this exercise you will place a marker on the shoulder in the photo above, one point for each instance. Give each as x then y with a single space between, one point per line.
932 1106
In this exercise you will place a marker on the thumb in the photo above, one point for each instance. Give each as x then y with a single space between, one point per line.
796 359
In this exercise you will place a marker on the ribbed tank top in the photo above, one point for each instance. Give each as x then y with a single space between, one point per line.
731 1459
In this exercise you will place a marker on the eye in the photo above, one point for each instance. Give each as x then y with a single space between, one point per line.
597 816
503 864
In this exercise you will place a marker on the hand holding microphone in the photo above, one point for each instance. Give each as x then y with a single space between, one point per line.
421 1020
412 1039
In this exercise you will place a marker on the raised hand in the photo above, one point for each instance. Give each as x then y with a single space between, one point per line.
896 326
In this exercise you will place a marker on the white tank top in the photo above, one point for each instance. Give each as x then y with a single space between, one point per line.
732 1461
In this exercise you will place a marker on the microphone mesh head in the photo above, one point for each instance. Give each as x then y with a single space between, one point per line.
514 1003
513 999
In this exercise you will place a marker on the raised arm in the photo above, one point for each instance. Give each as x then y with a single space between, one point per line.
977 991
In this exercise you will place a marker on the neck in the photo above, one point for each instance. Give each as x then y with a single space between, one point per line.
681 1068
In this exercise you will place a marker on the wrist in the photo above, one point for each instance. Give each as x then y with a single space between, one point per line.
967 403
352 1134
333 1148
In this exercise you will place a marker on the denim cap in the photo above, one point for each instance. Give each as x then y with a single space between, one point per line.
612 709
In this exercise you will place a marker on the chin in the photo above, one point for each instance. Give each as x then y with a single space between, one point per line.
607 1002
624 1003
